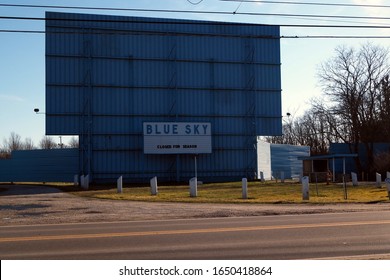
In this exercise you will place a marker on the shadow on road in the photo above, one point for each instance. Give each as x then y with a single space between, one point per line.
9 190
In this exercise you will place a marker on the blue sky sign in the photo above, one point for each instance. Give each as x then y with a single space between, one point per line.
177 138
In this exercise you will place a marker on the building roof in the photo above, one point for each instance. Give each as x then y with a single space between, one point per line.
330 156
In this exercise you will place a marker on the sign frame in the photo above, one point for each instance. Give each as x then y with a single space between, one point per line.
177 137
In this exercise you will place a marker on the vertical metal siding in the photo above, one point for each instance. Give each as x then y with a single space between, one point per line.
285 158
123 71
58 165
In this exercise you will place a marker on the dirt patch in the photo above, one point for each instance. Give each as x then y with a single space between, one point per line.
21 204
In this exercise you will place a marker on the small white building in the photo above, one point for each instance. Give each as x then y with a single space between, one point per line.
273 159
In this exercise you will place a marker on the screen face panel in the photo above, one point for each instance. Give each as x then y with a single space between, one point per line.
108 75
107 67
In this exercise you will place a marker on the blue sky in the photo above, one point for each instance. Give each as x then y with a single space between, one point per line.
22 56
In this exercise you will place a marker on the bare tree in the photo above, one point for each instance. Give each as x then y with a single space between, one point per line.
312 129
74 142
354 83
13 143
384 104
4 154
355 107
28 144
47 143
381 162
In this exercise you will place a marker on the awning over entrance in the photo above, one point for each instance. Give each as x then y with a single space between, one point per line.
332 157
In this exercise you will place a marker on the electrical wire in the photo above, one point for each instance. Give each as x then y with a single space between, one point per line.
248 1
310 3
334 37
241 13
239 5
195 3
195 12
192 22
167 21
105 31
138 32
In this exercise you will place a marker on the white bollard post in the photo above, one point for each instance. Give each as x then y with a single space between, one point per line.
193 187
76 180
388 186
82 181
378 180
244 188
119 185
354 179
282 176
262 176
153 186
305 188
86 182
387 174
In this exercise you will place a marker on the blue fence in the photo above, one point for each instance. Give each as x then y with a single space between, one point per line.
57 165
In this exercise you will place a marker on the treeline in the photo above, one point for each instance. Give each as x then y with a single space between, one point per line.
14 142
354 107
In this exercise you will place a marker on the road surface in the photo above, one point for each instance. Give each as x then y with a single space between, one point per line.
362 235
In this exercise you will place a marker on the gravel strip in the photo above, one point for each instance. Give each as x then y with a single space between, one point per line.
27 204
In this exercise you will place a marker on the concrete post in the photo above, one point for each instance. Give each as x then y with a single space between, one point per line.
244 188
119 185
387 174
82 181
282 176
76 180
193 187
388 186
354 179
153 186
305 188
86 182
262 176
378 180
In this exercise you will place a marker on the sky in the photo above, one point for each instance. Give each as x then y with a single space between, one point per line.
22 55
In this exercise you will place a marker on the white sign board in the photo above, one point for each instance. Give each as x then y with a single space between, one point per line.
177 138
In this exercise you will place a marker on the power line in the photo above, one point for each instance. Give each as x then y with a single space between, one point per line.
97 8
194 3
225 23
102 31
22 31
239 5
247 1
173 21
138 32
334 37
167 21
310 3
312 16
195 12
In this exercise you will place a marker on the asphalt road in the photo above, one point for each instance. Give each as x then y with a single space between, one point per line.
362 235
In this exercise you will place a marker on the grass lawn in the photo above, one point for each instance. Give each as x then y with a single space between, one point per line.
267 192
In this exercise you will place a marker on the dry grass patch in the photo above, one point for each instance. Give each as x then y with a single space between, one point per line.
268 192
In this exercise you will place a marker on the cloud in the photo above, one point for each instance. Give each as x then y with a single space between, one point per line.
372 11
11 98
376 12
